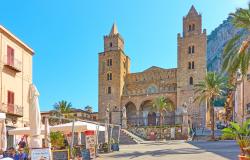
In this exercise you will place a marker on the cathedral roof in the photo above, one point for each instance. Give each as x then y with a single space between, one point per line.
114 30
153 68
192 11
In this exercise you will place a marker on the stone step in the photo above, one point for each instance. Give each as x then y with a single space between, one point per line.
137 139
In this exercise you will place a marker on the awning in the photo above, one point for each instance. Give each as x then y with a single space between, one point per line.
23 131
65 128
78 127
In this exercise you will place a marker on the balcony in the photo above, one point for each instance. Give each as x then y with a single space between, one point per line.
16 65
12 109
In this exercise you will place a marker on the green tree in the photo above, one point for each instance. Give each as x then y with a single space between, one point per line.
88 108
57 139
212 87
162 104
236 56
63 108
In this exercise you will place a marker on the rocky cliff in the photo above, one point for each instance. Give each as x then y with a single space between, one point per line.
216 42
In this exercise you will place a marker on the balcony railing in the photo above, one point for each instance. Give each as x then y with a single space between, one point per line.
16 65
12 109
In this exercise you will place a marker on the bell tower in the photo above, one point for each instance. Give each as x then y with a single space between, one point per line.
191 63
113 67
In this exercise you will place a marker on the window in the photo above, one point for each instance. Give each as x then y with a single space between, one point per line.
191 81
189 28
109 76
189 65
152 89
10 105
193 65
109 62
192 49
110 44
109 90
10 56
193 27
189 50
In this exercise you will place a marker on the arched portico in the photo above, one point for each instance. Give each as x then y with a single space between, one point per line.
131 113
150 116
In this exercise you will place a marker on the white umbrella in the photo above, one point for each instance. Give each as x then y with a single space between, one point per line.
35 118
78 127
24 131
3 136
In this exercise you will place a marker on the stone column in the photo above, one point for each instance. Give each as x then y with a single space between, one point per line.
185 124
145 117
124 123
138 117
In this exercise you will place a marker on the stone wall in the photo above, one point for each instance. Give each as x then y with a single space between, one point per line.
159 132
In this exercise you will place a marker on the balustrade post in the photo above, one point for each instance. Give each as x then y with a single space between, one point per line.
138 117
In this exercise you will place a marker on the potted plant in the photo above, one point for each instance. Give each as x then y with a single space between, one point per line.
241 134
114 145
105 147
57 140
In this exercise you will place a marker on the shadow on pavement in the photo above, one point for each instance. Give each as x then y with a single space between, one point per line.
226 149
158 153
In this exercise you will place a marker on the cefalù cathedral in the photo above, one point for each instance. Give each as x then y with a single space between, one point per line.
118 88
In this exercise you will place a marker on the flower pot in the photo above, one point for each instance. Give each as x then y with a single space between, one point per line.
243 157
115 147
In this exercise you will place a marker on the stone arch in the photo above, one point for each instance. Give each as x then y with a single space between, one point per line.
131 113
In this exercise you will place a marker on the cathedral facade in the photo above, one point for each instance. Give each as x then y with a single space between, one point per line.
119 88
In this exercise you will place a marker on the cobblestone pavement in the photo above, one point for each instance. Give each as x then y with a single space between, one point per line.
176 150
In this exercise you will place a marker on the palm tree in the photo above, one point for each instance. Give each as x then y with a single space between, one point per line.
236 56
212 87
162 104
62 107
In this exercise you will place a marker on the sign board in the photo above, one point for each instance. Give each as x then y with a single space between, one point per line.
40 154
90 142
172 133
2 116
60 154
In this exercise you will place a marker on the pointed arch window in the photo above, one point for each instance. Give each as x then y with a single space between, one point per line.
191 81
193 49
109 76
109 62
189 49
189 65
109 90
193 27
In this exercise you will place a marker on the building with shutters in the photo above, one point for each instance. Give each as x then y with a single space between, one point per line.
15 79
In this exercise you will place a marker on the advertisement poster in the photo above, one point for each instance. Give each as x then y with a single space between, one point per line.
90 143
40 154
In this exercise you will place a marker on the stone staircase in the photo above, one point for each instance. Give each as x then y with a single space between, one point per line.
125 137
132 136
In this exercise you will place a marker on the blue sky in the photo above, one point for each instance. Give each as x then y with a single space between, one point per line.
67 36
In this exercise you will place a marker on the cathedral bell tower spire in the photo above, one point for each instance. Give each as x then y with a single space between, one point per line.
114 40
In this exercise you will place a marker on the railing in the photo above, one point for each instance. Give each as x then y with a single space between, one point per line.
155 121
15 65
12 109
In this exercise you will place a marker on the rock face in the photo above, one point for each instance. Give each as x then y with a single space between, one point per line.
216 42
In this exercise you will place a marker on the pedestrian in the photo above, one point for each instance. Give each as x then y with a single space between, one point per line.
21 155
22 143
